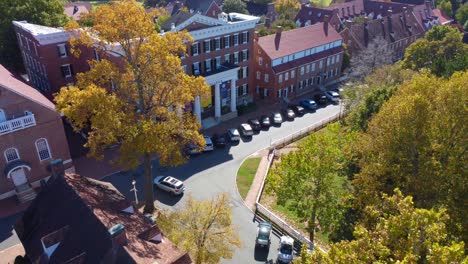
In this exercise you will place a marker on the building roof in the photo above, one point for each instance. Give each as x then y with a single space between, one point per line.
76 9
9 82
81 213
308 59
292 41
37 30
311 15
176 19
444 19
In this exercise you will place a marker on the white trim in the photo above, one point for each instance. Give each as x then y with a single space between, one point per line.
69 70
67 161
17 154
48 149
222 76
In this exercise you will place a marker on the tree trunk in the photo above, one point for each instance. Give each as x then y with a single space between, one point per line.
148 184
312 224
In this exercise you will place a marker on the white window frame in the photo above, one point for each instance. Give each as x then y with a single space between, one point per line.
286 76
244 71
244 37
259 75
313 67
320 64
236 57
236 39
217 43
307 68
205 46
197 49
291 88
208 65
6 154
227 58
244 89
260 60
227 42
65 54
302 70
244 55
293 73
280 78
196 67
69 70
218 62
39 151
266 77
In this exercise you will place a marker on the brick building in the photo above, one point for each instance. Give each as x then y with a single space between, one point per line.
295 62
222 54
46 56
31 135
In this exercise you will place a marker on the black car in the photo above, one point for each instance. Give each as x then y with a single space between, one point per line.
219 140
255 124
289 114
265 121
321 99
299 110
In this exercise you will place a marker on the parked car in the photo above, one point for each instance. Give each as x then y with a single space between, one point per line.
308 104
192 149
321 99
277 118
263 235
219 140
285 251
233 135
299 110
333 97
289 114
246 130
170 184
265 121
338 91
208 144
255 124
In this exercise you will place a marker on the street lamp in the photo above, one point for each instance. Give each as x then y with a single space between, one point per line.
134 189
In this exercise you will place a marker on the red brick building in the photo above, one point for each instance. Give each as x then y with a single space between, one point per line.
295 62
46 56
31 136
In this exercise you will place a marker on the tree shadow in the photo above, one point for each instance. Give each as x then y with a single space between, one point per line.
261 254
7 231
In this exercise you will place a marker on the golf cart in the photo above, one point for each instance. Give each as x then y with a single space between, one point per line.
285 252
263 235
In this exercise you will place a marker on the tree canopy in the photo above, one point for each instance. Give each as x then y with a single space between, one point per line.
311 181
138 102
202 228
399 233
287 9
442 52
462 14
236 6
41 12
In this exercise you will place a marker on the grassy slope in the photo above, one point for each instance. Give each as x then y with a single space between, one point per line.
246 175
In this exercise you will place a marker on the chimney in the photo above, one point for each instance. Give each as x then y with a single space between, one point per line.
75 9
326 19
118 235
256 35
279 29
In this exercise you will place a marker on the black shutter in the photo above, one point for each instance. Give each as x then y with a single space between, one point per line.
213 44
246 89
239 91
231 40
71 70
62 69
246 71
213 64
193 68
247 35
221 43
232 58
241 38
247 54
58 51
191 50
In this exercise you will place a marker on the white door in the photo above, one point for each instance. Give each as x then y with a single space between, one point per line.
2 116
19 177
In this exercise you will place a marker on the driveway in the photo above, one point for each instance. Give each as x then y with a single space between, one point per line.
211 173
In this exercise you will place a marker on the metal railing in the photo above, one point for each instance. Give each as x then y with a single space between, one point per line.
17 124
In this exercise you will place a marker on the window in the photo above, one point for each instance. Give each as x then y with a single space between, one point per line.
313 67
218 63
196 68
208 65
195 49
302 70
278 94
245 55
259 75
245 72
286 76
260 61
236 39
291 89
227 40
42 148
11 154
206 46
66 70
245 89
96 55
307 68
217 43
245 37
280 78
321 64
265 92
266 77
236 57
62 50
293 73
227 58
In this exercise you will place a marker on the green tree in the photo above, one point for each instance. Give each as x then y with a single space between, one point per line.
400 233
446 7
310 181
236 6
287 9
417 142
203 228
154 3
442 52
462 14
41 12
137 103
285 24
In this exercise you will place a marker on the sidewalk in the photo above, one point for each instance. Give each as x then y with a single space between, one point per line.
9 254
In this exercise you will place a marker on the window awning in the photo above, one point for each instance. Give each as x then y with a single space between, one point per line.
11 166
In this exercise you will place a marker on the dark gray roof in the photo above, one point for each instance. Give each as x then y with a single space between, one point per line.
177 19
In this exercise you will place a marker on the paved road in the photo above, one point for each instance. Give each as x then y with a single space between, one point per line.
209 174
8 237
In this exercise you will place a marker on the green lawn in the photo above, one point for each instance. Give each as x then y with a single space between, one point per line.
322 3
246 175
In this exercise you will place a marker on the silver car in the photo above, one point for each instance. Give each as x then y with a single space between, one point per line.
333 97
277 118
170 184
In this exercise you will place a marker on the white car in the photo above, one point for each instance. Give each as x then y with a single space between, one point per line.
333 97
277 118
170 184
208 144
246 130
233 135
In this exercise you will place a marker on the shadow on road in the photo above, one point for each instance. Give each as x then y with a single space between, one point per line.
261 254
6 229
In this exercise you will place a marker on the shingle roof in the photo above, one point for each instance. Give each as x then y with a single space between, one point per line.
76 9
296 40
89 208
312 14
8 81
177 19
308 59
444 19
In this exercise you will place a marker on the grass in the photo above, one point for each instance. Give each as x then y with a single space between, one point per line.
96 3
246 175
322 3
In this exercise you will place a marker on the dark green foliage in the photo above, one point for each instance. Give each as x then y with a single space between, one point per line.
237 6
41 12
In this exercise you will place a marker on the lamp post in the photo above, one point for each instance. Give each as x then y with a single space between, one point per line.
134 189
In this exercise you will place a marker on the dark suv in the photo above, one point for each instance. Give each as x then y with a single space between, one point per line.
321 99
255 124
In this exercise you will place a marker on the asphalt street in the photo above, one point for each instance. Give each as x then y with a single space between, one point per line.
209 174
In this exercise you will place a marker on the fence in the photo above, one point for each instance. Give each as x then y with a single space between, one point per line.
260 209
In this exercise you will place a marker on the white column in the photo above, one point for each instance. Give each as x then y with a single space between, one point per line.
197 108
217 101
233 96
